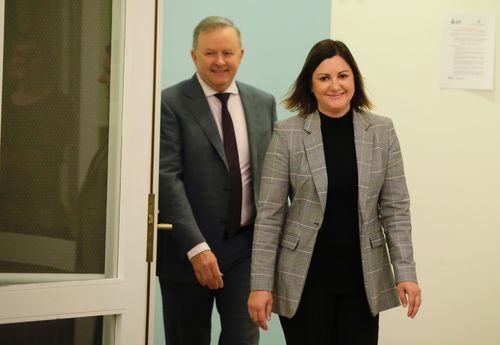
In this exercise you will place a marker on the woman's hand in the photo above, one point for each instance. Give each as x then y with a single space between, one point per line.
410 295
260 305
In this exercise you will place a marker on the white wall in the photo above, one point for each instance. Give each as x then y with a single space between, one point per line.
451 145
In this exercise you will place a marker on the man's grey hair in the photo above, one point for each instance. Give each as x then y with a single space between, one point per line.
211 23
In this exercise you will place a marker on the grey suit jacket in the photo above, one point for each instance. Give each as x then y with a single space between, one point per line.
285 232
194 178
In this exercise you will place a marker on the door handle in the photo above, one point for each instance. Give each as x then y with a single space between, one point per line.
165 227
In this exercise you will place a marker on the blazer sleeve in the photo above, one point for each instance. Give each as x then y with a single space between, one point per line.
175 207
272 208
274 116
394 213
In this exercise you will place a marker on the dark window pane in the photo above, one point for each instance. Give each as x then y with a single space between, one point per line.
81 331
53 136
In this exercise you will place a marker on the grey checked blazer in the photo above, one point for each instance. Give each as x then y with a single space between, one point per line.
292 204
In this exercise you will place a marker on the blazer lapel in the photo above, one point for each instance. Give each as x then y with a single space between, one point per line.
363 141
313 143
198 107
249 107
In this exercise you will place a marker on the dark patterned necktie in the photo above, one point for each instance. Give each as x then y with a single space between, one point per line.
233 217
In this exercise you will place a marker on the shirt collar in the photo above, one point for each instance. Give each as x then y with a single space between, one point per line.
208 91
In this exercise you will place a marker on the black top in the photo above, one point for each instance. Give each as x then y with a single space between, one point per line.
336 260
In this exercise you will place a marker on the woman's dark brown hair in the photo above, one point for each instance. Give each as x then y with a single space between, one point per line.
301 98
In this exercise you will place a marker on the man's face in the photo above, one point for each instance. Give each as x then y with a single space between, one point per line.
217 56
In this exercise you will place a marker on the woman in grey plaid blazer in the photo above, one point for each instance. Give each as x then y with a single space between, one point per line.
332 241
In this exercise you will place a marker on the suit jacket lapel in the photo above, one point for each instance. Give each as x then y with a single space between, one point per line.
199 108
313 143
249 107
363 141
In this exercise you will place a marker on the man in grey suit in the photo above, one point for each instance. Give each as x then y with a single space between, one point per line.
214 134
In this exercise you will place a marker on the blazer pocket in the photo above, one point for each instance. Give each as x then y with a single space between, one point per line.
289 240
377 240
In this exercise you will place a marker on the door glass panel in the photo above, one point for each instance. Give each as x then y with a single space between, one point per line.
78 331
58 175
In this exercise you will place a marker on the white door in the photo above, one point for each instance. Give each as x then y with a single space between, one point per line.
78 166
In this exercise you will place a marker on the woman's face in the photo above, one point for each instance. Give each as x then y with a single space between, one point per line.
333 86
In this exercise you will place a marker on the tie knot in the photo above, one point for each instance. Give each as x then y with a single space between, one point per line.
223 97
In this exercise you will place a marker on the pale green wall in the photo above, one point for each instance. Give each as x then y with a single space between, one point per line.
276 35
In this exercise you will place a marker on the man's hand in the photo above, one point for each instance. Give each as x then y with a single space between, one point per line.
260 305
207 270
410 295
